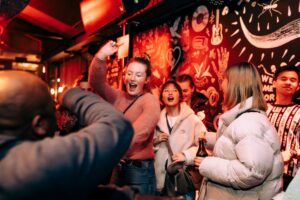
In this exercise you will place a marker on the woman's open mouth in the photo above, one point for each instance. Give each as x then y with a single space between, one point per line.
170 99
132 86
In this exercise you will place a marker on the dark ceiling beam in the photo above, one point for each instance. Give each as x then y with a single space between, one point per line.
47 22
111 30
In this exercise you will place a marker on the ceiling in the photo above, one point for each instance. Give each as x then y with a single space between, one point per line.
48 30
40 29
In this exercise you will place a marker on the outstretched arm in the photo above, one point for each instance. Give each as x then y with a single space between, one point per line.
75 164
97 73
107 134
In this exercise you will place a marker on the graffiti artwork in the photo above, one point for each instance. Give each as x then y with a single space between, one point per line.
208 38
267 39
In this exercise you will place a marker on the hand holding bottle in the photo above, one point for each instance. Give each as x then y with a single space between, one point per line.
197 161
201 148
201 153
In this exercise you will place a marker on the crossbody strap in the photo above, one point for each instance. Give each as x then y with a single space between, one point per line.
168 124
136 98
167 143
246 111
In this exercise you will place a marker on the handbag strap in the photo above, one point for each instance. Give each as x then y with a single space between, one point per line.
167 143
136 98
169 148
168 124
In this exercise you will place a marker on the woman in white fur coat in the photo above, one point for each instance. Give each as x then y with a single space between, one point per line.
179 126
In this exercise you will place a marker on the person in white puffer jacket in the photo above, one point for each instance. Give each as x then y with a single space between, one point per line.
246 161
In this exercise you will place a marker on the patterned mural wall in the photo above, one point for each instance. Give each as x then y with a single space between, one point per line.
209 37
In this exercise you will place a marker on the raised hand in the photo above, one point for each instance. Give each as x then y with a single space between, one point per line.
107 49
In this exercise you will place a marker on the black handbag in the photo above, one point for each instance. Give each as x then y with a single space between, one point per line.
178 180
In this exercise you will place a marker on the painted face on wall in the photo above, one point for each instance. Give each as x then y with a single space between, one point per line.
135 78
187 91
287 83
170 96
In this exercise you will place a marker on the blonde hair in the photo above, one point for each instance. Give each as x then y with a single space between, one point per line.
244 81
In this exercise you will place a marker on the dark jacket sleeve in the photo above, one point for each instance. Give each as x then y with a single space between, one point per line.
104 140
75 164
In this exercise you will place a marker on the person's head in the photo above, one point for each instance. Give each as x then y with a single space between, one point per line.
26 107
171 94
187 85
137 75
286 81
82 82
240 82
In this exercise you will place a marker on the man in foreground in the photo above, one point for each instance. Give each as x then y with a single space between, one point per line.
36 165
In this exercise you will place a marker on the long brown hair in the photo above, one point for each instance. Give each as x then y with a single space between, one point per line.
244 81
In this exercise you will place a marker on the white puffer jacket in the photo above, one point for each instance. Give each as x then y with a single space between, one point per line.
246 160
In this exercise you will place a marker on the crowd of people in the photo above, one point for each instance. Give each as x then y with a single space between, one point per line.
122 142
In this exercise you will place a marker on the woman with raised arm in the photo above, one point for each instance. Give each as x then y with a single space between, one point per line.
246 161
139 107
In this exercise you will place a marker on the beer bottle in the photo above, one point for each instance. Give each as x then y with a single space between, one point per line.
201 149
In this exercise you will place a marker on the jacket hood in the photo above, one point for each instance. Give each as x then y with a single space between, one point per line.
185 111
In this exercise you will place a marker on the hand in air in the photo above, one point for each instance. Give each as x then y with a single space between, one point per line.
107 49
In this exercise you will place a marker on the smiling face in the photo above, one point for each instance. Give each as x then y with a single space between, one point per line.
170 96
286 84
135 78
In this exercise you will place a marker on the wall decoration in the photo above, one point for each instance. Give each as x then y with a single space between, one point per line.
268 39
211 36
269 7
217 35
200 18
157 44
